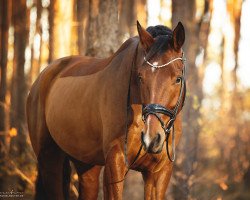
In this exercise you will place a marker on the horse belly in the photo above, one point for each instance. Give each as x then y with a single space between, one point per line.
72 120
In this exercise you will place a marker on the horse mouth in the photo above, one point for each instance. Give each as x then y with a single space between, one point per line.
155 150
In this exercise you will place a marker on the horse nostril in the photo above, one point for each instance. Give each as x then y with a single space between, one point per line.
151 146
155 144
158 138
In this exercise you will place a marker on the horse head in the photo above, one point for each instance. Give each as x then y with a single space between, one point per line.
160 79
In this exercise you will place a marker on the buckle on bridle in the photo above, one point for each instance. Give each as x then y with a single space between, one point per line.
169 126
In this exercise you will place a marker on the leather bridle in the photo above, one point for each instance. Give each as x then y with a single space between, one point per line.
157 109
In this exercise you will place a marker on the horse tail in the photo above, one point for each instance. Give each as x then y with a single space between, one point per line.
39 187
66 178
40 191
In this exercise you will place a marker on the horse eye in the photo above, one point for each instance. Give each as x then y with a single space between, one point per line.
140 79
178 80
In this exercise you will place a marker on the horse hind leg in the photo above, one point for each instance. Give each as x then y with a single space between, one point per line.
40 191
66 178
88 176
53 173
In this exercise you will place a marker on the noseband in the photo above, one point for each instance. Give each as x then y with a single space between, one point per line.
156 109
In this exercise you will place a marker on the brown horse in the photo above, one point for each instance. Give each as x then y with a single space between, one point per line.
85 109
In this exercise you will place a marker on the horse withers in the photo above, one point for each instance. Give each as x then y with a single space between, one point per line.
119 112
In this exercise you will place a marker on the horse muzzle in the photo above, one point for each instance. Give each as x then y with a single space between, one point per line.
152 146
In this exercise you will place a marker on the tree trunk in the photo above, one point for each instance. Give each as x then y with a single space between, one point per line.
4 28
234 9
103 28
63 17
92 27
82 21
74 30
184 11
51 30
60 25
5 11
141 10
36 52
127 20
18 144
19 88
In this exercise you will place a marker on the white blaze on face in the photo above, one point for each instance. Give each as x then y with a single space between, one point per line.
147 137
153 68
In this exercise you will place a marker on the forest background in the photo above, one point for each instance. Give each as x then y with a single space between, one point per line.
214 153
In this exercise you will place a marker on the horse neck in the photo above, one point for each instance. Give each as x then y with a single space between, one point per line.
115 79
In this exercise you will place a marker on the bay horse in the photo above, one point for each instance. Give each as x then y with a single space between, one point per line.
117 112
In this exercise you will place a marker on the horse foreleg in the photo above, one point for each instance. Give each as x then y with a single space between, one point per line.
156 183
114 173
88 177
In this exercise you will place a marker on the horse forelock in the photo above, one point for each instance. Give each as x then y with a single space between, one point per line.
163 40
159 30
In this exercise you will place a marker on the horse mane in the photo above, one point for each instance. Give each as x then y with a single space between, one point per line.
159 30
163 40
125 45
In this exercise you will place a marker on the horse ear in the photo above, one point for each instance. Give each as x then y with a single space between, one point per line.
145 38
178 36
